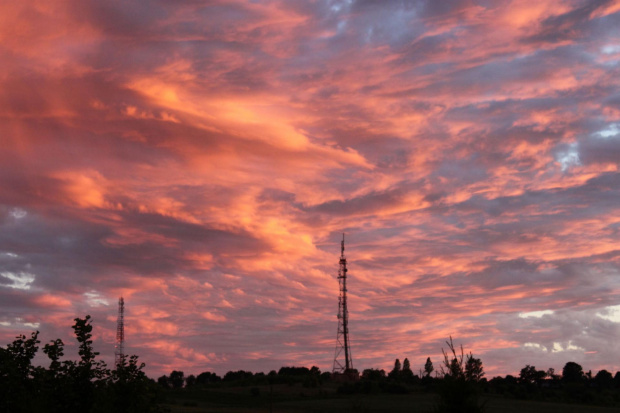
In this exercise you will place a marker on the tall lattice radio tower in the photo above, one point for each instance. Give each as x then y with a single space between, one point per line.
343 347
119 352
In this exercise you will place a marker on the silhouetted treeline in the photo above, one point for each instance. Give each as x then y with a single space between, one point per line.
85 385
308 377
459 382
573 385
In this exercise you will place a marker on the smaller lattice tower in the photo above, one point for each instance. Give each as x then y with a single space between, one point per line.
342 336
119 351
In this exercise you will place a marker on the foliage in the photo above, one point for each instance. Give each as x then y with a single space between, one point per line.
85 385
17 375
529 375
428 367
604 379
176 379
395 373
459 390
452 366
294 371
473 368
207 378
232 376
373 374
190 381
406 374
572 372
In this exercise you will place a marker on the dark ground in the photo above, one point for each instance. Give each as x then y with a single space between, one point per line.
298 399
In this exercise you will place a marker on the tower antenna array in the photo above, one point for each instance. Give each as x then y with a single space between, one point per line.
342 336
119 352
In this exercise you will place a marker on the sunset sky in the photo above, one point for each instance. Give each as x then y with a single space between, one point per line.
203 158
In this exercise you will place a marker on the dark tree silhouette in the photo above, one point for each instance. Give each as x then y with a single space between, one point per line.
457 392
190 381
164 382
128 388
394 374
88 371
551 374
208 377
473 368
238 375
17 374
604 379
428 367
572 372
85 385
177 378
397 366
54 351
406 373
373 374
529 375
452 365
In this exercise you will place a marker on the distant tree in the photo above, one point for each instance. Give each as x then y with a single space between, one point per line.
208 378
617 379
272 377
164 381
395 373
397 366
177 378
428 367
530 375
406 373
604 379
572 372
237 376
551 374
510 380
326 376
294 371
373 374
190 381
473 368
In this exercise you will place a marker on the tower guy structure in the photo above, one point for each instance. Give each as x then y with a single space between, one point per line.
119 351
343 344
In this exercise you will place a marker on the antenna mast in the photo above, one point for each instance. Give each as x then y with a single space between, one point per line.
342 336
119 353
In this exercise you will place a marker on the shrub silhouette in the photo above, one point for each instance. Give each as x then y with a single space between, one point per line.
458 391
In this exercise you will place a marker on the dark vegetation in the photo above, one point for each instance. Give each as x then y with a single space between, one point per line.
86 385
458 385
